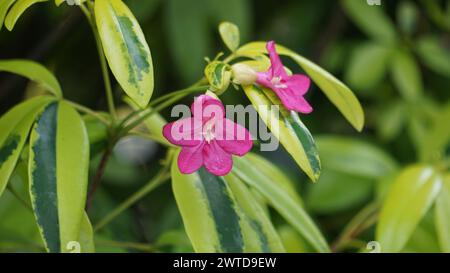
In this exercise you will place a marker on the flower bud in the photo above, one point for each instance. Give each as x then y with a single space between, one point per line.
243 74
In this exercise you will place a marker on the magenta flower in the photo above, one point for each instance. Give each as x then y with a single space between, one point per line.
290 89
208 138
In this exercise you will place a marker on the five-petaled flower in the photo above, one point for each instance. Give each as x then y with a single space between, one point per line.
208 138
289 88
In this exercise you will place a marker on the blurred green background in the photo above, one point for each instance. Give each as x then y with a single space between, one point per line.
395 57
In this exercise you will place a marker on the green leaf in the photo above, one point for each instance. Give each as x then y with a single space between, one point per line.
86 235
281 200
287 127
154 124
126 50
336 192
59 2
367 67
293 242
407 14
259 233
230 35
58 182
4 7
18 223
187 32
442 215
337 92
14 129
391 119
370 19
408 199
219 217
424 238
218 75
33 71
17 10
406 75
144 10
274 174
354 157
434 54
436 139
237 11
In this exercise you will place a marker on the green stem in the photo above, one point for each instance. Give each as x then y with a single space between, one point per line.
152 137
99 174
161 177
184 92
88 111
363 220
104 65
151 111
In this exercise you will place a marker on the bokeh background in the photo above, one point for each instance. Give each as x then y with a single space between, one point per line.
395 57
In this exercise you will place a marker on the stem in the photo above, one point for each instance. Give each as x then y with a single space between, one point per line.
152 137
363 220
104 66
88 111
161 177
179 93
161 106
98 176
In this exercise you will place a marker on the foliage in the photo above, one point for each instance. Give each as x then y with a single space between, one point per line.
84 165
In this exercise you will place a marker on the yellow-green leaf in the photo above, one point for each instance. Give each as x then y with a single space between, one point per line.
230 35
218 75
218 215
287 127
33 71
14 129
126 49
154 124
86 235
442 215
274 174
58 182
258 231
287 206
337 92
17 10
4 7
69 2
407 201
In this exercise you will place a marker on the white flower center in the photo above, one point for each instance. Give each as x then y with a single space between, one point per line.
278 82
208 130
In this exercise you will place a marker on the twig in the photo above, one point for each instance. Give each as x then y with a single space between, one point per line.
161 177
98 176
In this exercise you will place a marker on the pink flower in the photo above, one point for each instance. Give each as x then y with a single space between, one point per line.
290 89
208 138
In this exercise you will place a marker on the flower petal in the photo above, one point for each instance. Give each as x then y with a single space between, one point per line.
205 107
184 132
190 159
293 101
277 68
264 79
234 139
216 160
299 84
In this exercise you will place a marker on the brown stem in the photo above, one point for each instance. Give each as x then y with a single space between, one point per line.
98 176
